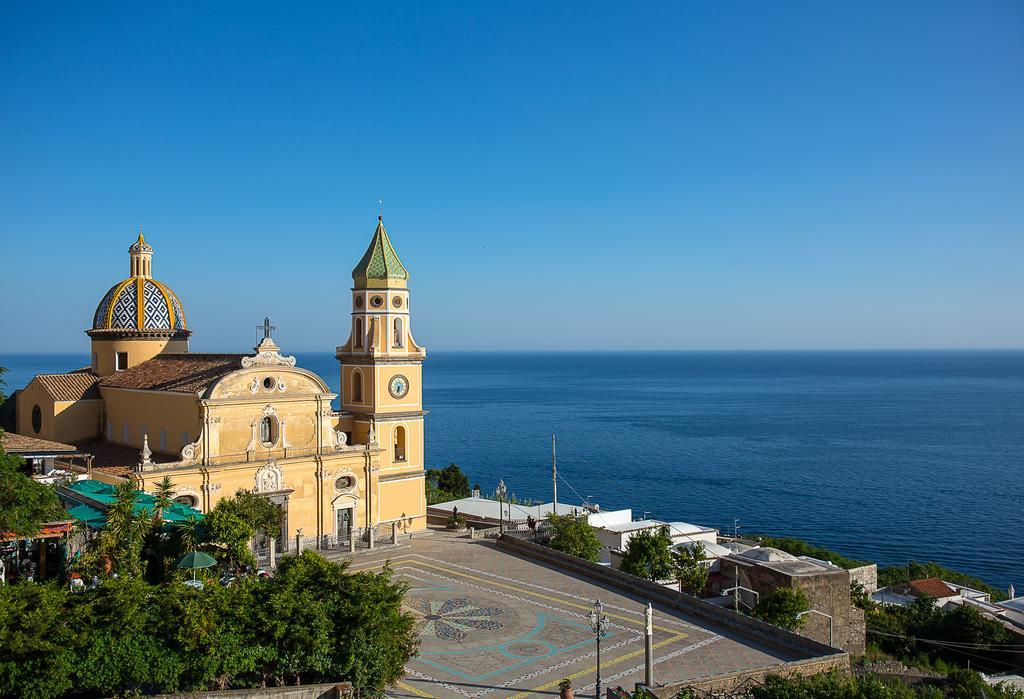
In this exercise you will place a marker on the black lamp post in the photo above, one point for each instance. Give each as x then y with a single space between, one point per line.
599 625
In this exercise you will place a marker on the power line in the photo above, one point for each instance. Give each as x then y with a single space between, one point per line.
1003 647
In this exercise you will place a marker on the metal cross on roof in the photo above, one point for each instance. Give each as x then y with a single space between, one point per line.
267 328
380 202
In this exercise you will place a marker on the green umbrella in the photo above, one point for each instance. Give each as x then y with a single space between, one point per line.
196 559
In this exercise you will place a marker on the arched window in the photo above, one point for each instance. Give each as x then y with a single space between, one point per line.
399 335
358 339
37 419
268 431
189 500
357 386
399 444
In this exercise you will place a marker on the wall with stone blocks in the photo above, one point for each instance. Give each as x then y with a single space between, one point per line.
311 691
732 681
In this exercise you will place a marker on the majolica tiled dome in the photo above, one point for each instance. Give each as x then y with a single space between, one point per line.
139 302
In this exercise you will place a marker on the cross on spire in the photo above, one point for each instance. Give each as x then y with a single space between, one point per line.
267 328
380 203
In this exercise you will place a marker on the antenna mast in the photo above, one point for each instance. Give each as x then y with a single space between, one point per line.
554 477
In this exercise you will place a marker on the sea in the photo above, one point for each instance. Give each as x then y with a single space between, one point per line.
882 455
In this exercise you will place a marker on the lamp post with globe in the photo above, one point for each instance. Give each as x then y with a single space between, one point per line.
599 625
500 492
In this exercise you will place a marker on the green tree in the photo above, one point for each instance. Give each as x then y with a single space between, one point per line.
164 493
24 503
448 483
572 535
189 534
782 607
691 571
648 555
37 645
233 523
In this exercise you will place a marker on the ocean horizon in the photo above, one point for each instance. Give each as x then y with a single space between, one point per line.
886 455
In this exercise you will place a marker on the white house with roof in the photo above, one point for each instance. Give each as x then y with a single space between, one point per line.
616 536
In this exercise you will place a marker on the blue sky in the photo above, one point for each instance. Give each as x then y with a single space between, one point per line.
555 175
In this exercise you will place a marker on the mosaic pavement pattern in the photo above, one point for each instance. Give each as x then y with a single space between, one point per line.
492 624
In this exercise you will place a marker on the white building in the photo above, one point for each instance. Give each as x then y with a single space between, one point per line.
616 536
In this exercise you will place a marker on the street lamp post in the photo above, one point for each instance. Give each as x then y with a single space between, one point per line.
827 616
599 625
501 508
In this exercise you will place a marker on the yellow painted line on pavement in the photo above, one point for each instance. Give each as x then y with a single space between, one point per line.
408 688
559 600
674 636
593 668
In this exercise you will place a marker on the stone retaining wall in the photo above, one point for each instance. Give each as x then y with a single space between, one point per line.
698 609
733 681
309 691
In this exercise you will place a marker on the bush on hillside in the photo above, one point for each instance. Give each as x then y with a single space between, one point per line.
572 535
312 622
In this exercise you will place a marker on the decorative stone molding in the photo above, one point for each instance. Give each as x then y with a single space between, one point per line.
190 452
255 443
267 354
340 440
344 473
254 387
211 487
269 478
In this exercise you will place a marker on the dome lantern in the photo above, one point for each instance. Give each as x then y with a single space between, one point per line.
140 311
141 254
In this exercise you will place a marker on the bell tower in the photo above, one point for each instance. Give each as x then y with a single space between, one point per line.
381 364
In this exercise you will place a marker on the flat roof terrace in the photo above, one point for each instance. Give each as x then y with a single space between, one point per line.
497 624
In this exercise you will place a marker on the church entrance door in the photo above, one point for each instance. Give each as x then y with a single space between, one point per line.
343 526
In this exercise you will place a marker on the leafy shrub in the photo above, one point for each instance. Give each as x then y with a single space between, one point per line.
312 622
572 535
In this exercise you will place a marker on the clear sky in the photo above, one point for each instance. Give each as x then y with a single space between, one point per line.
556 175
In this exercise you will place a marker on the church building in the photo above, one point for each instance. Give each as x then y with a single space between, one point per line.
147 407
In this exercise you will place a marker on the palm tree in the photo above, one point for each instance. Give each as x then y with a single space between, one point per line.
164 493
189 533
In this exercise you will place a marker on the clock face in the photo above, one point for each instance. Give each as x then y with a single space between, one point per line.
399 386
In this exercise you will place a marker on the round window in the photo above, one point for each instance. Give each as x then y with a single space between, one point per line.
397 302
344 483
37 419
359 301
377 301
269 383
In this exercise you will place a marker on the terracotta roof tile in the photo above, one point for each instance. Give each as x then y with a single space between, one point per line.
20 444
932 587
189 372
80 384
117 459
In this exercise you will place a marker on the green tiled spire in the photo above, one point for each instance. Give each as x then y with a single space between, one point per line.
380 264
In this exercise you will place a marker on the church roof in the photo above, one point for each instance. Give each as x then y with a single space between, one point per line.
138 303
380 262
186 372
80 384
14 443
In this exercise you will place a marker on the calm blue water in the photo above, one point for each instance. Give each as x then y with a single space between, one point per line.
881 455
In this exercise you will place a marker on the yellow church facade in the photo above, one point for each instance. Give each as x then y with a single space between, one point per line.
148 408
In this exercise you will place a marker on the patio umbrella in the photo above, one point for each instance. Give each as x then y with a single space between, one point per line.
195 559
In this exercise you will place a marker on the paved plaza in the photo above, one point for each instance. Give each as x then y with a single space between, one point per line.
494 624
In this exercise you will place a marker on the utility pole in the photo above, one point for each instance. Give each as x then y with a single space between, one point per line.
554 477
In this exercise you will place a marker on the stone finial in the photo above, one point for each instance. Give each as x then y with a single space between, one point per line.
145 455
